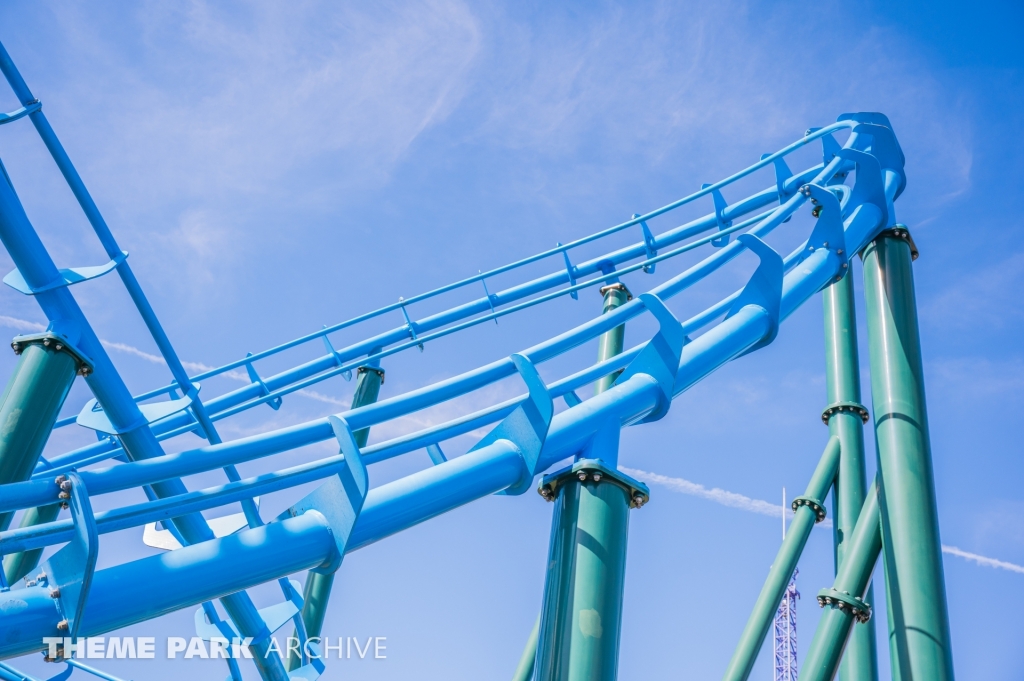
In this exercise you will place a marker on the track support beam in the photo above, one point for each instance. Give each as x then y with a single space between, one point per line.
808 510
919 639
845 417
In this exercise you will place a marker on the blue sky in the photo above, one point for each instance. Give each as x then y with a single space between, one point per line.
275 167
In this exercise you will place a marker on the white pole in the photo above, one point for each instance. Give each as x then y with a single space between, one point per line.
783 514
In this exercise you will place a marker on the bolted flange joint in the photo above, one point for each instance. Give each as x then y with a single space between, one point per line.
814 504
618 286
53 341
899 231
844 602
592 471
840 407
377 370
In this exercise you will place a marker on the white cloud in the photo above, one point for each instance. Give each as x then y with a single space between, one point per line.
751 505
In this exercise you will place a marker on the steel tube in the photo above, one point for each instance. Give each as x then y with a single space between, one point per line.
582 611
37 268
919 639
29 407
743 659
833 632
842 379
317 590
143 589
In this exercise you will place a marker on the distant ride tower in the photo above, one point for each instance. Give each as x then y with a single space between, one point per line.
785 634
785 621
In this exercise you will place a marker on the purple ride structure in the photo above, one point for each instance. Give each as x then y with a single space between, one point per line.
572 445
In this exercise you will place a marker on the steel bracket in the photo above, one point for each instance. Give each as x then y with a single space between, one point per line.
274 617
660 357
410 327
886 149
254 377
723 224
829 150
828 231
490 298
527 426
338 361
66 277
870 186
650 245
69 572
782 175
764 288
595 472
570 270
340 499
31 108
95 418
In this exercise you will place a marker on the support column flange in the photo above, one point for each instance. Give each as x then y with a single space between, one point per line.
845 601
593 470
58 342
839 407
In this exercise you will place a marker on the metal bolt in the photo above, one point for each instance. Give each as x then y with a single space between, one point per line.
839 252
582 475
65 486
54 593
817 211
41 576
845 265
597 477
30 582
46 342
62 625
59 346
638 500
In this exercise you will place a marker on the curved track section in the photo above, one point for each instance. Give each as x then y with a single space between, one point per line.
851 193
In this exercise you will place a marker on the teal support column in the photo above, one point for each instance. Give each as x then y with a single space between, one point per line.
845 417
18 565
318 587
808 510
30 404
919 639
582 610
610 343
844 603
524 671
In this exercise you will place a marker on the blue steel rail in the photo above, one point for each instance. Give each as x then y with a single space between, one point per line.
508 459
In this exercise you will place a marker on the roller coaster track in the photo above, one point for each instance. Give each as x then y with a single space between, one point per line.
850 193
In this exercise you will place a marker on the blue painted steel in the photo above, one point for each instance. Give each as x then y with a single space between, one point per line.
528 439
70 570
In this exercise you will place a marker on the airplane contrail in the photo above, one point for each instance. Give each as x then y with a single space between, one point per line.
681 485
745 503
198 367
